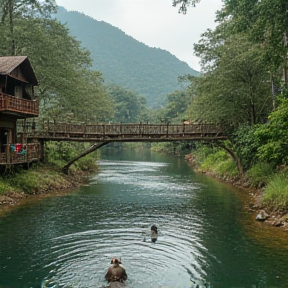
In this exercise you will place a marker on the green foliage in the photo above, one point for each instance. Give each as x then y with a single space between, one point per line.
272 137
86 164
59 153
184 4
276 192
246 145
257 19
177 103
27 8
220 163
260 174
175 148
13 10
129 106
26 181
165 147
33 181
201 153
63 151
235 89
4 187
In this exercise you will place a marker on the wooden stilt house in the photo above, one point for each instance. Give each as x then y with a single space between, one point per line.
17 101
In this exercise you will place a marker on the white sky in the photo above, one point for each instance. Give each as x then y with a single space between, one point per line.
154 22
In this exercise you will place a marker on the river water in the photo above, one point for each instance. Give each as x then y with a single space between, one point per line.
206 236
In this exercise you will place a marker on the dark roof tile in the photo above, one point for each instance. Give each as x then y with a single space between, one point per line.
9 63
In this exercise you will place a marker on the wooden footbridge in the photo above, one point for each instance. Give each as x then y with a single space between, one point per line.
36 134
53 131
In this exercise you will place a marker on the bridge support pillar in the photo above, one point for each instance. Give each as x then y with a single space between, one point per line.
41 152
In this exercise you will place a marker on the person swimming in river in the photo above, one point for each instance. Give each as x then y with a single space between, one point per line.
154 233
115 272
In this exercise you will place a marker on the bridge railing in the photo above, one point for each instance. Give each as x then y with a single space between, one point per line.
118 130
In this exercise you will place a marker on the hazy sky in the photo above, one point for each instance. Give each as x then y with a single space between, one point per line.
154 22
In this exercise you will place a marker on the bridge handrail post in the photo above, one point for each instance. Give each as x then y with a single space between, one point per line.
167 132
54 126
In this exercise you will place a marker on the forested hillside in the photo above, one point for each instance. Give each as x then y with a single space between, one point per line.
151 72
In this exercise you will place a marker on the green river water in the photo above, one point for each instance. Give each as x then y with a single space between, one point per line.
206 236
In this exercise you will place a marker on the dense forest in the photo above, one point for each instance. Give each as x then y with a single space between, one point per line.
242 86
124 61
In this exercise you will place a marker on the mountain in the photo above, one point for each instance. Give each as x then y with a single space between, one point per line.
151 72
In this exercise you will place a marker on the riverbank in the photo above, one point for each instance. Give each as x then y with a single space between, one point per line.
264 213
39 181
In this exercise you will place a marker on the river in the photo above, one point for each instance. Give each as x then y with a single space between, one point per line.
206 236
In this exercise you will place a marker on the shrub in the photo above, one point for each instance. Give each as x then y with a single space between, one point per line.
4 188
276 192
87 164
219 162
260 174
202 153
25 181
246 145
226 168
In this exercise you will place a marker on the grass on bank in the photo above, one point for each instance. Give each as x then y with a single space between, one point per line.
215 161
38 178
44 177
274 185
5 187
276 192
259 175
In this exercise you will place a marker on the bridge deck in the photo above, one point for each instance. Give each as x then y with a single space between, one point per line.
52 131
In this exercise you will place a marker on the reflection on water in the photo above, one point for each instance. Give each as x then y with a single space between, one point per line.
204 237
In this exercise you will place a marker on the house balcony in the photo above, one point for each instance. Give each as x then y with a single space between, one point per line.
18 106
19 153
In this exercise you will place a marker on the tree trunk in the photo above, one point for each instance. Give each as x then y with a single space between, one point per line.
93 148
235 158
11 26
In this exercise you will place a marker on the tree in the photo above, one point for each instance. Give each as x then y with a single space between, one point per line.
235 89
129 106
184 4
265 22
177 103
10 10
272 137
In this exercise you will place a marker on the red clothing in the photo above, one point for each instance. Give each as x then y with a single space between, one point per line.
19 147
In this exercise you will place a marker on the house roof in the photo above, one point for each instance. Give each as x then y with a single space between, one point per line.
9 63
